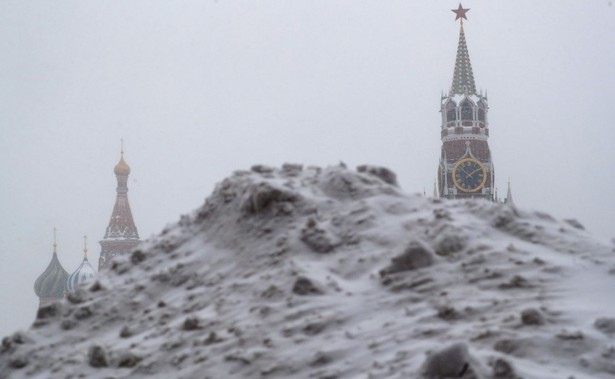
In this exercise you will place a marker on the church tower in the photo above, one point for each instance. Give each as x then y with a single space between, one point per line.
466 169
121 235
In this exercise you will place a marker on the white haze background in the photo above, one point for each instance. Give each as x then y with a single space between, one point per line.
198 89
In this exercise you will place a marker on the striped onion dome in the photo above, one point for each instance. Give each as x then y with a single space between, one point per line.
51 284
82 274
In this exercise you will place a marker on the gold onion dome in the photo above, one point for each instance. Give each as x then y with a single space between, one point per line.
121 168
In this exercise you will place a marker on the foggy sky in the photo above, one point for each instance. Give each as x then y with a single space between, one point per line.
198 89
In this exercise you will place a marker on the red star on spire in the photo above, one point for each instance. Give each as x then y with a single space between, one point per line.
460 12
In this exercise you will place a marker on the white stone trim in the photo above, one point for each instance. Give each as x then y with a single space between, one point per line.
465 137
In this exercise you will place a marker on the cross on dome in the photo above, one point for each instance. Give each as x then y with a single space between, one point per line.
55 245
85 246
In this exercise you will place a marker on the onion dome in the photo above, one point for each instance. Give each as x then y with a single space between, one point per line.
83 273
121 168
51 284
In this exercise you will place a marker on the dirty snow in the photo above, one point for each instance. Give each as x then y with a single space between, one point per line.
303 272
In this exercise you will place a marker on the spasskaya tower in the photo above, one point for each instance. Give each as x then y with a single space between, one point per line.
466 169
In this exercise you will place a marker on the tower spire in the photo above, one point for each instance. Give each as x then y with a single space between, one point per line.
463 77
121 235
509 197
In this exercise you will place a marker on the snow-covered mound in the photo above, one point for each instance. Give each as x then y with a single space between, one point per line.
331 273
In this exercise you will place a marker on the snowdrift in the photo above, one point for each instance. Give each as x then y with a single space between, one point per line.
333 273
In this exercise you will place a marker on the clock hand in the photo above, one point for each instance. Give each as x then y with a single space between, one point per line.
461 168
474 172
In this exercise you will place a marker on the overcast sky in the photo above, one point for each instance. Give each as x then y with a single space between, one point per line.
198 89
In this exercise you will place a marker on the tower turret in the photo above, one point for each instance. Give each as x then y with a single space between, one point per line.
51 284
466 169
121 235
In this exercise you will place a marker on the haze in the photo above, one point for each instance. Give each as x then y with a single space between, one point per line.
198 89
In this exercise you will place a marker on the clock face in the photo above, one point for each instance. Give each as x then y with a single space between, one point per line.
469 175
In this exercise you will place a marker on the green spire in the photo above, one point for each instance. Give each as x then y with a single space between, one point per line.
463 78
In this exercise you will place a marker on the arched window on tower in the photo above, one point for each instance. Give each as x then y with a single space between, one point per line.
451 111
466 110
481 111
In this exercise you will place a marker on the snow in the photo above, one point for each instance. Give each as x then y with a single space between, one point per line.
458 98
300 272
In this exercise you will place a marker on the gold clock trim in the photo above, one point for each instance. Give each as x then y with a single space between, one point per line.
459 163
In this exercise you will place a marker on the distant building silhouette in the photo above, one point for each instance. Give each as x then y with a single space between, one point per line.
120 238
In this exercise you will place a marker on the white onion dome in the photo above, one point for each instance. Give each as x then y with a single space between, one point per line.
83 273
51 284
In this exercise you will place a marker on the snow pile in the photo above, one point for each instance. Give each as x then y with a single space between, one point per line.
331 273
